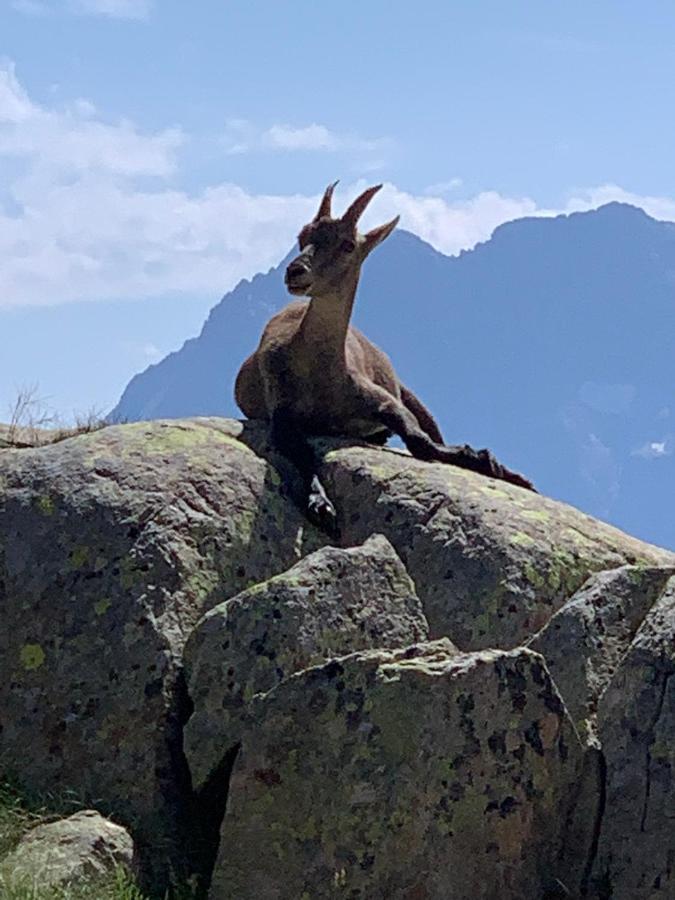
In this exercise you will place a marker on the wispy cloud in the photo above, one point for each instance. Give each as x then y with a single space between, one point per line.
443 187
654 449
30 7
242 136
607 398
70 140
113 9
92 209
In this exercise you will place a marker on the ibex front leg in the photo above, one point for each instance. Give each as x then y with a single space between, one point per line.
397 418
290 441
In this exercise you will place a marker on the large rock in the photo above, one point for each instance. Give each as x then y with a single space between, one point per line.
636 726
491 562
420 774
330 603
72 851
584 642
112 546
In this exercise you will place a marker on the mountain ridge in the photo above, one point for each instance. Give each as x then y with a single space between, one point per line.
551 343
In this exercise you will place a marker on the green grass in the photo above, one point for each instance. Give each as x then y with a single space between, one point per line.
19 812
118 886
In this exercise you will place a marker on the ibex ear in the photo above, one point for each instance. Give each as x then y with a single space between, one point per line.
377 235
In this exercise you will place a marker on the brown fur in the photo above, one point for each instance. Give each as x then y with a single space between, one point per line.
314 373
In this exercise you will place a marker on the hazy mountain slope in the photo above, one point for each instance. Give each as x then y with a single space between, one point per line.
552 343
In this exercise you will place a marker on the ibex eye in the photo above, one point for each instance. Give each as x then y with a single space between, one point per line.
347 246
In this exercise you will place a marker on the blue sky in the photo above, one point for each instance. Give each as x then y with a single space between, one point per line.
153 153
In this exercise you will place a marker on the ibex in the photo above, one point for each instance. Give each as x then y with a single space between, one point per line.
315 374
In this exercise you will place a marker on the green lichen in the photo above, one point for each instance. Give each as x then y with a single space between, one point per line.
45 506
102 606
32 656
496 492
520 539
129 574
535 578
536 515
78 557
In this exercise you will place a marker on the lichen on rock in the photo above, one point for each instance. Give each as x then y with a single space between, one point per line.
330 603
413 773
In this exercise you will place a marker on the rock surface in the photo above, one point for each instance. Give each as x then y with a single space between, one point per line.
112 545
636 726
584 641
68 852
420 773
329 604
491 562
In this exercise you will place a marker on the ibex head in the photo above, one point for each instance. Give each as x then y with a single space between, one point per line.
331 250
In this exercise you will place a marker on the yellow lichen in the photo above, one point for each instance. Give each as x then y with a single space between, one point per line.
32 656
496 492
521 539
536 515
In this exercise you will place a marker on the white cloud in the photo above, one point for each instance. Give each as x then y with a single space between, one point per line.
242 136
15 106
58 142
653 450
658 207
80 219
313 137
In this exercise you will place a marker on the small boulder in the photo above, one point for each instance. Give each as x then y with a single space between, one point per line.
416 773
81 848
331 603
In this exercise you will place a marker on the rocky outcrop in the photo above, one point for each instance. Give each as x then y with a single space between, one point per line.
585 641
178 643
490 561
112 546
412 774
70 852
330 603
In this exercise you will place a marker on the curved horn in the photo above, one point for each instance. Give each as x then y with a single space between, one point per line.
355 211
324 208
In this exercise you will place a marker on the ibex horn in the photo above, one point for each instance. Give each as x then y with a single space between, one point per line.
355 211
324 208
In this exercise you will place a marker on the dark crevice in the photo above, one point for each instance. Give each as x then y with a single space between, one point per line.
208 811
160 839
587 873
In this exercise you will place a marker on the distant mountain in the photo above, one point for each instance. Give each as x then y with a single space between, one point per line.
552 344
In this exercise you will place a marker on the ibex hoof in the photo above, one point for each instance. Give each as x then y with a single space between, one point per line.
321 512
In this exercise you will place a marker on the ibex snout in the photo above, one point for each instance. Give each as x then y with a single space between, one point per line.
298 276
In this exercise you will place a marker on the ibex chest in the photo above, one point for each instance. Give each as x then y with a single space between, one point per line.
314 384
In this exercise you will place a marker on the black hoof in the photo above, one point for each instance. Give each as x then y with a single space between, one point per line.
321 512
